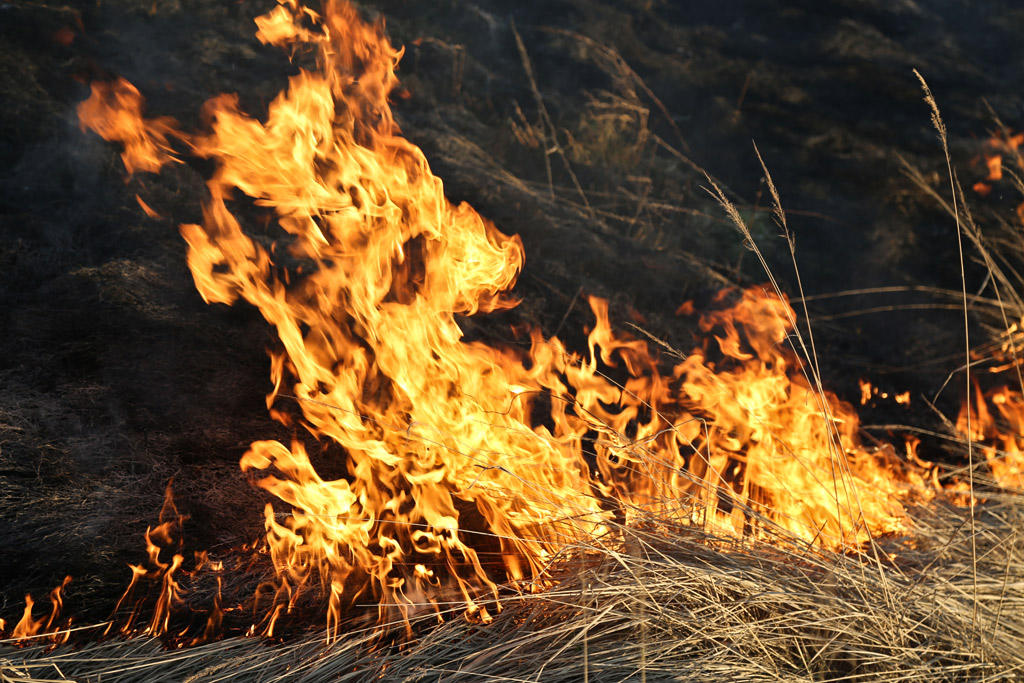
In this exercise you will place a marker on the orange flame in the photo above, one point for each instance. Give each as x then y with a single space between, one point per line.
1000 144
146 208
997 415
868 392
114 111
166 535
994 164
454 448
29 627
1002 437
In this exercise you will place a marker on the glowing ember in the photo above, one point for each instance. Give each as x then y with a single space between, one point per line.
440 437
869 392
998 146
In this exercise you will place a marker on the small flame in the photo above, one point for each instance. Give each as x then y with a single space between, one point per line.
159 539
869 392
29 627
114 111
146 208
994 163
1000 145
1001 434
866 391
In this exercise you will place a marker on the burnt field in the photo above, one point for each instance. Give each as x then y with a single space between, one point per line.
615 139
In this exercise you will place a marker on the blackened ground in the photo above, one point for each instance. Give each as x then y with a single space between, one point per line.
115 377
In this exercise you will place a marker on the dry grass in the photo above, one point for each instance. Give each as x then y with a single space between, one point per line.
668 602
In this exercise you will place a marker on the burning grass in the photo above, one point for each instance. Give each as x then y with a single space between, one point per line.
664 602
722 516
363 283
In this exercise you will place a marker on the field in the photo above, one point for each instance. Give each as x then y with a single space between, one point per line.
615 139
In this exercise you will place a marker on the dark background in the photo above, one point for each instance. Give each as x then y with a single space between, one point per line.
115 377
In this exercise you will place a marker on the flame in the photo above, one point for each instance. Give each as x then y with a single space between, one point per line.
994 163
146 208
453 448
29 627
159 539
997 415
114 111
868 392
1001 434
1004 143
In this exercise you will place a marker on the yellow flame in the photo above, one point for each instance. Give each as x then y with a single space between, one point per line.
997 421
467 464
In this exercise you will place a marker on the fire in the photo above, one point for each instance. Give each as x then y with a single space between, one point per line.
1001 434
997 415
114 111
29 627
869 392
166 536
158 586
994 165
453 448
866 391
749 435
1003 144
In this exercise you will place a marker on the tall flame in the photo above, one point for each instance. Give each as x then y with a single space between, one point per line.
455 448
